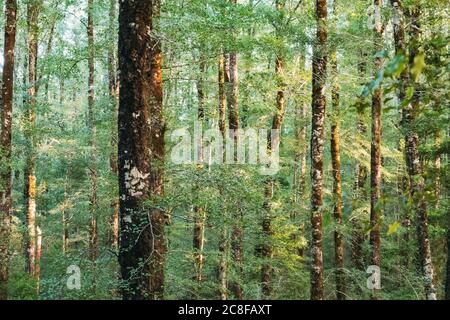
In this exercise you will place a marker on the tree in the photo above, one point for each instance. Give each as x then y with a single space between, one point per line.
336 163
113 101
199 210
320 61
232 84
413 162
5 143
93 236
358 236
267 249
376 166
141 151
33 9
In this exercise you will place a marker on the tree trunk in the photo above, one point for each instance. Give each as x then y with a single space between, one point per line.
93 234
337 176
5 143
414 165
199 211
358 236
231 79
38 258
400 49
113 101
141 151
30 171
222 96
224 246
267 230
376 165
320 60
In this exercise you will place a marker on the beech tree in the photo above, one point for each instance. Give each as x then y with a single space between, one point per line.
5 143
33 8
320 61
141 151
376 165
336 163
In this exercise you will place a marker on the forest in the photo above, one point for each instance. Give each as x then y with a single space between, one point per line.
224 150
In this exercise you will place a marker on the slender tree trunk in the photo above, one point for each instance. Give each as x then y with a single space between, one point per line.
414 165
320 61
113 101
38 258
5 143
222 96
358 236
337 176
401 49
376 165
93 233
199 211
48 50
300 168
65 220
237 234
267 230
141 151
224 246
30 177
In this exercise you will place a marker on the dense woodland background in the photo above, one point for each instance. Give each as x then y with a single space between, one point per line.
350 194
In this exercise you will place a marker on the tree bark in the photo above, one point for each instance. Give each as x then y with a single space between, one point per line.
113 102
199 211
414 164
376 165
38 258
224 246
337 175
237 234
267 230
141 151
93 233
33 9
222 95
358 236
401 49
7 95
320 60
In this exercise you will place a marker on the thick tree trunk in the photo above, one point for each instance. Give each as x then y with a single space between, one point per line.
414 165
141 151
320 61
337 176
30 172
93 233
376 165
5 143
113 102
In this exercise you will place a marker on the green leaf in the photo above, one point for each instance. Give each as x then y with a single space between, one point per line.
393 228
419 66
